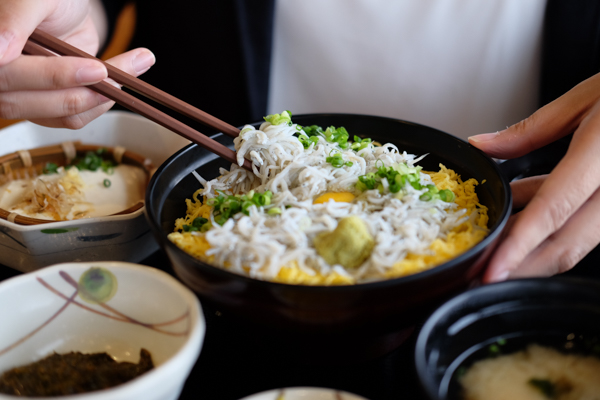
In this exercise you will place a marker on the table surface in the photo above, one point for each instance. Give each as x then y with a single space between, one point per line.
234 363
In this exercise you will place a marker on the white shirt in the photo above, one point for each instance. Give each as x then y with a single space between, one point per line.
462 66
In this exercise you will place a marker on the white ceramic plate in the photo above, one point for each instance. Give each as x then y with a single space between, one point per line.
304 393
113 128
131 307
117 238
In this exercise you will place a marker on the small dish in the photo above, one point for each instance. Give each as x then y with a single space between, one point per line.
30 164
560 313
118 237
304 393
50 312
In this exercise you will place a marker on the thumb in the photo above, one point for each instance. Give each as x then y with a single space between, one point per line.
548 124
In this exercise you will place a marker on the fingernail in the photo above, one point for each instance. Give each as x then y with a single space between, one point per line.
91 74
484 137
5 39
143 61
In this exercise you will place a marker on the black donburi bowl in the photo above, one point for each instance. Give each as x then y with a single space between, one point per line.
372 307
558 312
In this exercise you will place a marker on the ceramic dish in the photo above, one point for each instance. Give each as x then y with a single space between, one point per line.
304 393
47 311
344 311
119 237
31 164
560 312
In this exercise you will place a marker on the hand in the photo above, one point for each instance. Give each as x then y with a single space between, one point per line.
51 91
560 223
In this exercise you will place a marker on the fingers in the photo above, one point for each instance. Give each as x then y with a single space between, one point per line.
48 87
44 73
565 248
134 62
69 20
51 91
76 121
31 104
551 122
523 190
572 183
72 107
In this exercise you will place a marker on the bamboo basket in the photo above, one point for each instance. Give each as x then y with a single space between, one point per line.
27 164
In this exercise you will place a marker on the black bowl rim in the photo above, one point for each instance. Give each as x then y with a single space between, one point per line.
375 285
541 285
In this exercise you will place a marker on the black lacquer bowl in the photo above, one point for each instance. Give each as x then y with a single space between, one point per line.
559 312
374 308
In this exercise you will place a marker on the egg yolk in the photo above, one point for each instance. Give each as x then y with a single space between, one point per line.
340 197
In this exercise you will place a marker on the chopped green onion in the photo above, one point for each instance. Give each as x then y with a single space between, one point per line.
337 135
307 141
547 388
226 206
199 224
434 194
337 161
360 144
398 176
425 197
367 182
106 183
93 160
276 119
50 168
448 196
494 350
331 134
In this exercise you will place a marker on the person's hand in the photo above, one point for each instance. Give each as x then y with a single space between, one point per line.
50 90
560 223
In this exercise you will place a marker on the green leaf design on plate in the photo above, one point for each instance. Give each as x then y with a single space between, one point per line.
97 285
59 230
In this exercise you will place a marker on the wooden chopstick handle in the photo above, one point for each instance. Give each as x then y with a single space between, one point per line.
137 85
134 104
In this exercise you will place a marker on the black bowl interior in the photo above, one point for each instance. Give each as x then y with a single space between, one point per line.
546 311
386 302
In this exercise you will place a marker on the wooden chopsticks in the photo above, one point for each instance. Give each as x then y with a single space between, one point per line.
41 43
